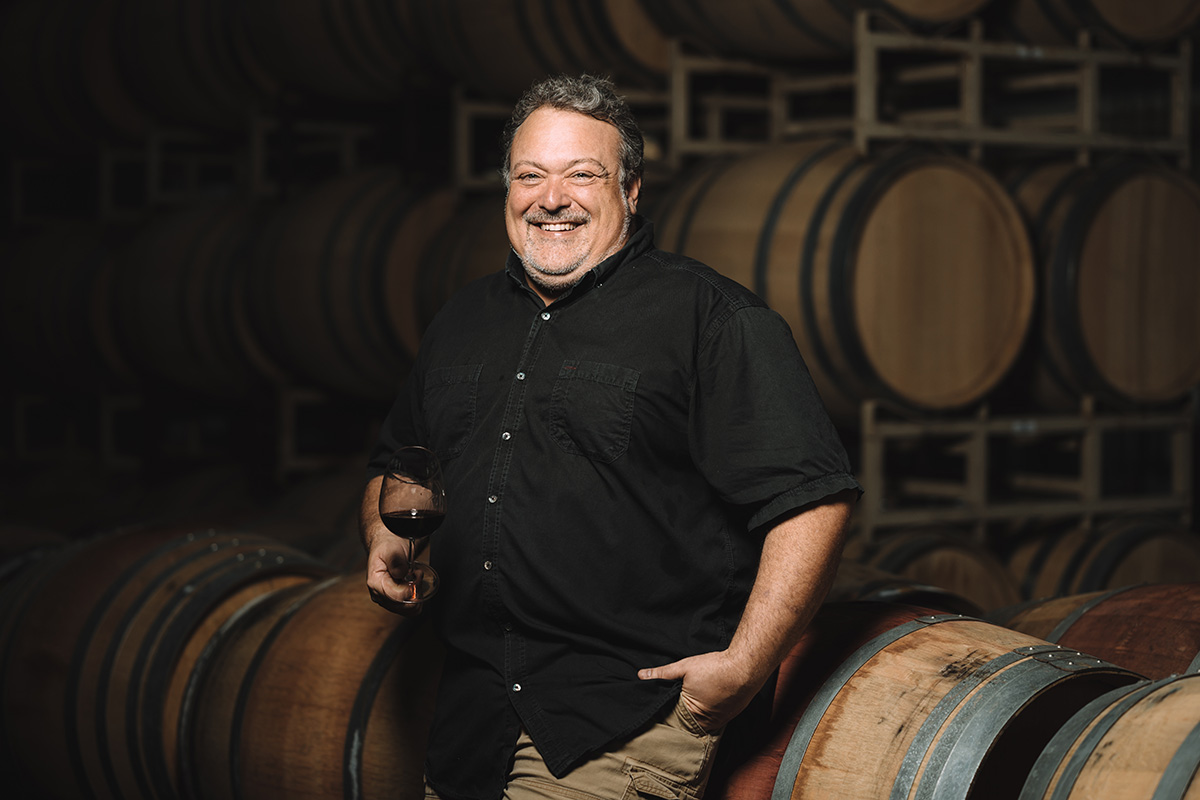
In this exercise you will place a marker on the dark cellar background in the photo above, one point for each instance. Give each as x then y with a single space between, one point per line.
122 114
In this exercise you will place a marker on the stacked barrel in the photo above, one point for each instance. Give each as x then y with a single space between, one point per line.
161 662
166 663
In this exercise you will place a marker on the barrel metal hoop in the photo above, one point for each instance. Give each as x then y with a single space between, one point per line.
1066 29
23 591
842 255
804 26
544 62
1064 274
329 266
918 749
237 623
1181 769
762 247
808 302
1037 783
689 214
907 551
377 266
172 626
969 737
793 756
348 50
192 247
75 670
599 23
1091 740
1038 562
1066 622
243 694
1057 283
364 702
100 717
1111 554
1066 580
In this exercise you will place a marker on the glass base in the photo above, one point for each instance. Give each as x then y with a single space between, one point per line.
423 583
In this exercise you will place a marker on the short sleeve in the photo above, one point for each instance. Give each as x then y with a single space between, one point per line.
758 429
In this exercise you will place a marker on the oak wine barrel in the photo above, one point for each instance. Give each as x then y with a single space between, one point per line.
367 677
794 30
906 276
21 577
59 79
350 51
184 60
882 700
946 558
858 581
178 302
1126 23
93 676
452 260
1139 741
1064 560
1118 246
509 44
1152 629
318 512
330 292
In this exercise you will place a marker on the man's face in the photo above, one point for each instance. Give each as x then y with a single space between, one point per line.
566 210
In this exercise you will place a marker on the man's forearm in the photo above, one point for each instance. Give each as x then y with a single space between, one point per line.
799 561
369 523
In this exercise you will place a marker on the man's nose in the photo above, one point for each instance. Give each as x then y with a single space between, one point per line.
554 196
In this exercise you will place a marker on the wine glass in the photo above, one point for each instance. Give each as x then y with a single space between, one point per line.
412 504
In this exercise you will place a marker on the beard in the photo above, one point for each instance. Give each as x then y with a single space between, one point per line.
556 278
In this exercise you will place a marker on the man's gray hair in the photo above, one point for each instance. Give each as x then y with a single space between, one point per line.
586 94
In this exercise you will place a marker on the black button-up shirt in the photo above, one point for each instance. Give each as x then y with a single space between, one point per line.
612 461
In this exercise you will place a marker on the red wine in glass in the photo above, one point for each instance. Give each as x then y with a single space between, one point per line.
413 524
412 504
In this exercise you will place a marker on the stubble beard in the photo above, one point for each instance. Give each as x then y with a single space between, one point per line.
554 280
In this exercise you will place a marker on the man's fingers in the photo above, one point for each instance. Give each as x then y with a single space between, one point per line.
393 604
666 672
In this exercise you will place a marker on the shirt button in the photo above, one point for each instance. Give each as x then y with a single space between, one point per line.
506 436
487 565
520 376
493 498
546 315
516 687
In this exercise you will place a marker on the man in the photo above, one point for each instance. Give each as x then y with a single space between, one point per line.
623 431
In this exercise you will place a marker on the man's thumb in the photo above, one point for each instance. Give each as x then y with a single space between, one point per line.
664 673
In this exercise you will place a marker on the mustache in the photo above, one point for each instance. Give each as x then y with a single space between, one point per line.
536 218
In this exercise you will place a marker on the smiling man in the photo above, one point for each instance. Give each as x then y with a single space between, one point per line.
570 205
646 497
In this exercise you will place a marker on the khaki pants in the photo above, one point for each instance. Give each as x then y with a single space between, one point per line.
670 760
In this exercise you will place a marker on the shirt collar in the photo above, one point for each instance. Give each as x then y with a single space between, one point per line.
641 239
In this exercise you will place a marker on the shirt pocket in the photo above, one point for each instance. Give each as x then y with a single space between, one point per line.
450 400
591 409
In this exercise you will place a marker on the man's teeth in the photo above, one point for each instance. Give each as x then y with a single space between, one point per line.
558 226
